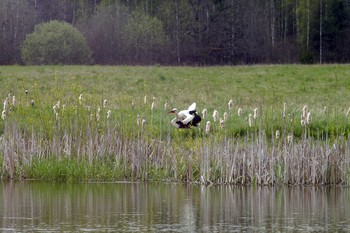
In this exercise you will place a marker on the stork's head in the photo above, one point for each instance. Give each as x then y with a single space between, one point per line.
174 110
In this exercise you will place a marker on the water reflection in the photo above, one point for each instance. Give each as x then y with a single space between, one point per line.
135 207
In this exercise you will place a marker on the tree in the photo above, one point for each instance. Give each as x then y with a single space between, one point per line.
55 42
104 34
144 37
17 19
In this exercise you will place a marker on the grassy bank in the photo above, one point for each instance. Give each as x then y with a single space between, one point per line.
50 133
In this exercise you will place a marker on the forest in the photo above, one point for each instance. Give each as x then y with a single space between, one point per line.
189 32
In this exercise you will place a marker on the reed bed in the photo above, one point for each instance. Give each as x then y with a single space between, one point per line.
83 142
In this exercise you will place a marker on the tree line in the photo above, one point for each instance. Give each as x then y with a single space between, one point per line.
189 32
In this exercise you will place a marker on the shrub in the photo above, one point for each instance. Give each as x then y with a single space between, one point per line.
55 42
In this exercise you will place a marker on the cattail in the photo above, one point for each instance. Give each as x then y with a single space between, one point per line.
54 109
165 106
222 123
143 123
255 113
250 120
277 134
305 111
290 138
6 103
138 120
109 113
98 116
302 120
80 98
225 116
239 112
284 110
204 113
145 99
3 114
14 100
215 116
207 127
105 103
230 104
152 106
308 118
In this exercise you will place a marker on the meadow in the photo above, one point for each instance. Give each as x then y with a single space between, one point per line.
280 124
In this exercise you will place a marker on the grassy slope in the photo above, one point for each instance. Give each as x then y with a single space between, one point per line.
265 87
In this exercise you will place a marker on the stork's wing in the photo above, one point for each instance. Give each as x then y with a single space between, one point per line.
188 118
192 108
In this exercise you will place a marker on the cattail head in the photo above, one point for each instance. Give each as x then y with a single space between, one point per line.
14 100
152 105
222 123
145 99
230 104
290 138
143 123
250 120
97 116
204 113
6 103
207 127
54 109
302 120
138 120
255 113
277 134
308 118
3 114
215 115
239 112
105 102
80 98
225 116
305 111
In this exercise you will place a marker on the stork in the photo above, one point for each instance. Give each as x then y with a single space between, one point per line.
186 118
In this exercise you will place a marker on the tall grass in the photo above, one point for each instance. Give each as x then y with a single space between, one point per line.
82 140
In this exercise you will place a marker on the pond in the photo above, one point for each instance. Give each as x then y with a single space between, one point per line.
171 207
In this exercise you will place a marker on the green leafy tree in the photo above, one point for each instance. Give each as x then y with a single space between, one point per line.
144 37
55 42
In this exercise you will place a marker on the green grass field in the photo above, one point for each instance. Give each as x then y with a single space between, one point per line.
85 140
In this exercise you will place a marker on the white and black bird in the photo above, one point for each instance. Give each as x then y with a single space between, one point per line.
186 118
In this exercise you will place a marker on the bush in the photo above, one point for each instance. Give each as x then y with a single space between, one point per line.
55 42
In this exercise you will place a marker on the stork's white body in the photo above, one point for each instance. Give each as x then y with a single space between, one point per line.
183 117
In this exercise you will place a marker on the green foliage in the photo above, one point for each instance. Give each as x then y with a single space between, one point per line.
55 43
143 35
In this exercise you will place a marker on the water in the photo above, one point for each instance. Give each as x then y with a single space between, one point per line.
158 207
